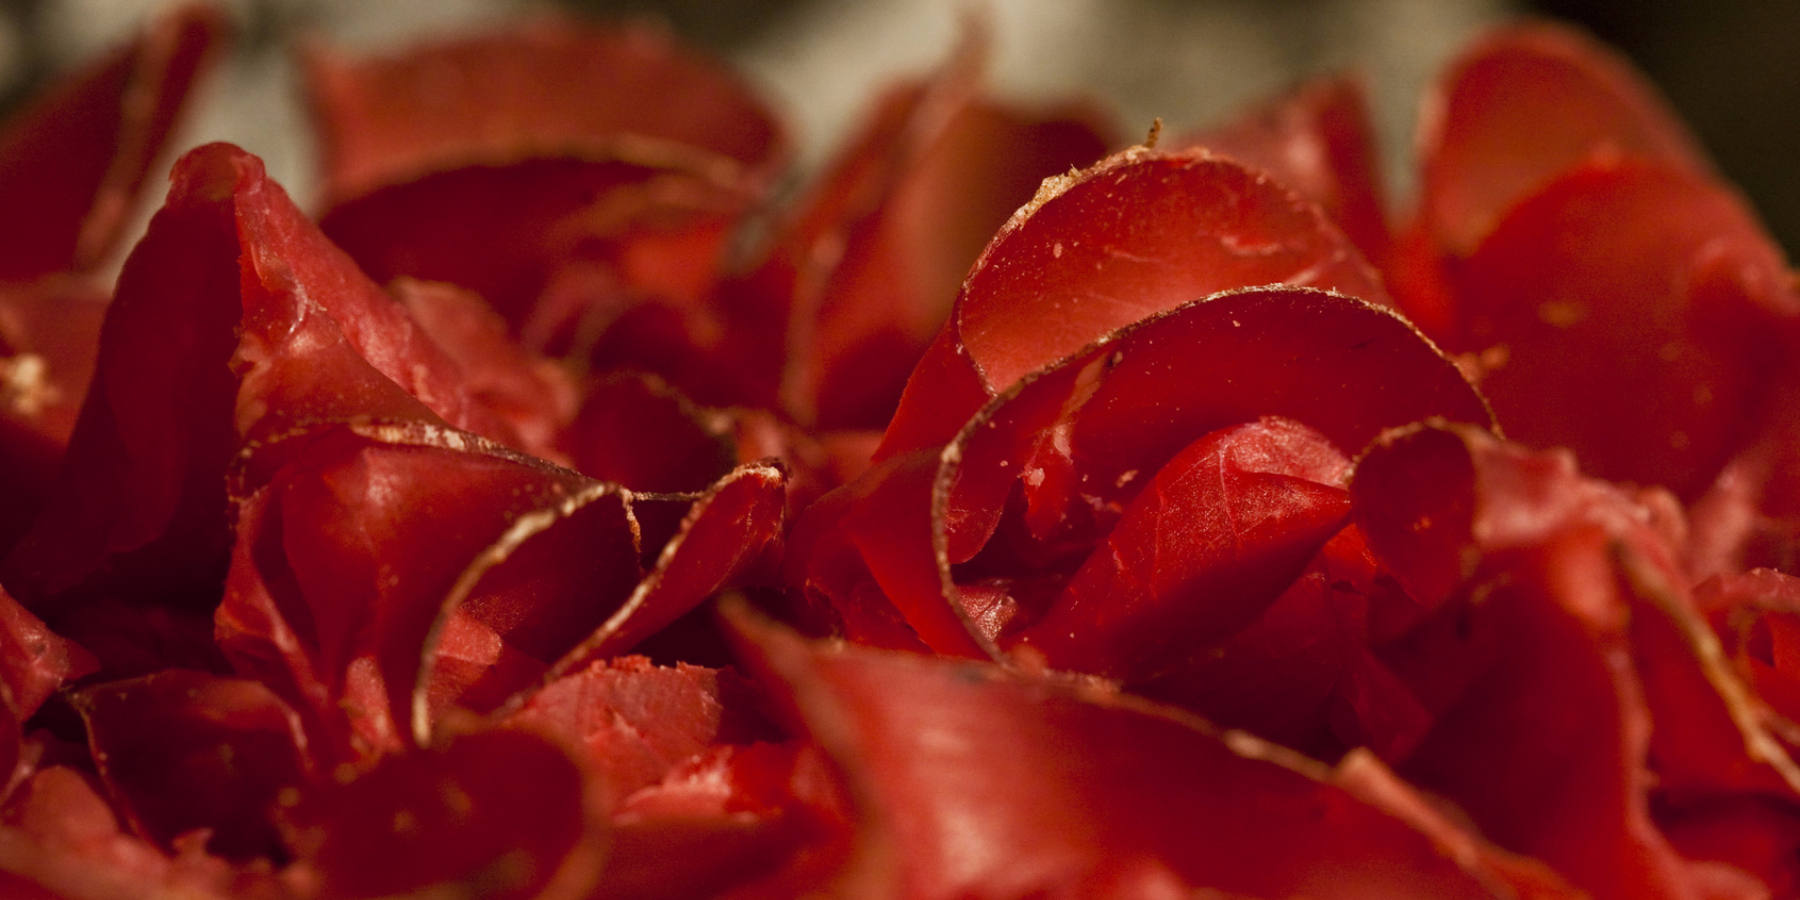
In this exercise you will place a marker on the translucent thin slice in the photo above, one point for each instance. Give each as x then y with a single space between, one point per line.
234 320
1317 139
724 540
1634 313
509 231
1521 106
73 165
345 556
1137 234
1079 440
182 750
1217 535
870 263
549 86
984 783
1547 582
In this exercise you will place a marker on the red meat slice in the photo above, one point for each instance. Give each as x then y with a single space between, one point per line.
73 165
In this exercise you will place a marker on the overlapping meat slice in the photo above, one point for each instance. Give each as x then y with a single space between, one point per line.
1006 514
182 751
864 271
1318 140
542 87
970 781
1136 235
1546 585
524 165
72 171
59 840
1581 101
235 321
74 163
346 552
492 813
1635 314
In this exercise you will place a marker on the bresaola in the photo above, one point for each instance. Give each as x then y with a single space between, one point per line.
467 543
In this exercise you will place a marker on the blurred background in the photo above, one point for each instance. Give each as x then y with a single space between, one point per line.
1729 67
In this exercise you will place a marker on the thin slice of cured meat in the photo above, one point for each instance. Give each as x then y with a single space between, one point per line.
534 396
501 813
1318 140
1220 531
1582 101
346 555
524 165
1140 233
183 750
49 331
234 321
59 840
972 781
1078 442
757 820
729 537
34 661
1305 674
1635 314
870 263
1041 475
639 431
563 247
550 86
73 165
636 721
1539 580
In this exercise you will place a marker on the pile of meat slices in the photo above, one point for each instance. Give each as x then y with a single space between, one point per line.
556 515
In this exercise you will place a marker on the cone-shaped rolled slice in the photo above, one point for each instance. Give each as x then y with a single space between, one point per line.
1635 314
182 750
1037 479
73 165
234 320
1520 107
547 87
345 556
977 782
1318 140
1137 234
502 813
1545 582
